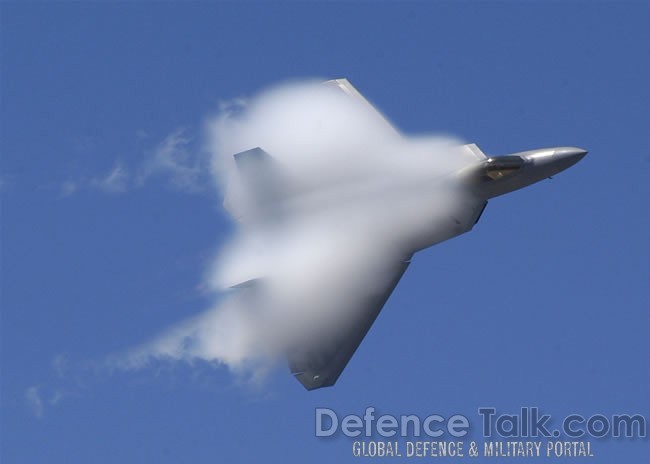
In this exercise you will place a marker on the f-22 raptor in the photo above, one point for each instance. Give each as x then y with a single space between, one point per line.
482 177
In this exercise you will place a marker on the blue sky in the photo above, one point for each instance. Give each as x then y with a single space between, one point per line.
545 303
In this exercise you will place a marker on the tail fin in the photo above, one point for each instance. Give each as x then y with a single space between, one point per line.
260 185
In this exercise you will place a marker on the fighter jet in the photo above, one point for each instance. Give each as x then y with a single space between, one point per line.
482 178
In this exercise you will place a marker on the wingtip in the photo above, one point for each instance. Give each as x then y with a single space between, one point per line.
313 382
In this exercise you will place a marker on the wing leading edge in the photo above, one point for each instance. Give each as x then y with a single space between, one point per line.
347 88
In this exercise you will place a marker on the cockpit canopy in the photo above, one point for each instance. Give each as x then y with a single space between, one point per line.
502 166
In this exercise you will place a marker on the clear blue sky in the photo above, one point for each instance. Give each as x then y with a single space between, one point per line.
545 303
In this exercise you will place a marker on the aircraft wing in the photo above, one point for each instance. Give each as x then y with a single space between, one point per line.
320 363
346 87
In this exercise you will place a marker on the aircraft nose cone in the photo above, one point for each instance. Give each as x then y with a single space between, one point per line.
564 157
573 153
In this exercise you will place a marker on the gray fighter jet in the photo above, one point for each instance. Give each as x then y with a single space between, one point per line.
483 177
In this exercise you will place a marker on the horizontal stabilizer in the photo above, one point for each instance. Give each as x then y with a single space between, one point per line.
250 283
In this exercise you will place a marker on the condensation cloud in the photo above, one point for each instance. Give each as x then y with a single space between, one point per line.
316 227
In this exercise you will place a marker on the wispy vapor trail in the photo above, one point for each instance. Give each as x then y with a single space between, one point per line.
307 253
173 158
34 400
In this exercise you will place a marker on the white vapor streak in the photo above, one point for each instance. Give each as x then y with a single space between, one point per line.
114 182
34 400
173 159
345 200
